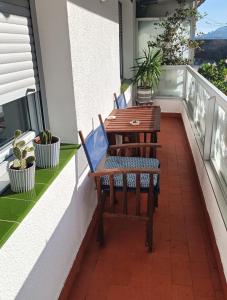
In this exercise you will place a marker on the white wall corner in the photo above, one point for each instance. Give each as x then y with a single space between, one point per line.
55 49
129 20
94 41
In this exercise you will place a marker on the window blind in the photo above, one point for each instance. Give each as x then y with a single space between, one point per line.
18 65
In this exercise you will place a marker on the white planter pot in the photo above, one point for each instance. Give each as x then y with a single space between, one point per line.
144 95
22 180
47 156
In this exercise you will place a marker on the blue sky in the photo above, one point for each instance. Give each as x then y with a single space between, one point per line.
216 15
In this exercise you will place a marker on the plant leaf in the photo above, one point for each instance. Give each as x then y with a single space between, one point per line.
20 144
17 133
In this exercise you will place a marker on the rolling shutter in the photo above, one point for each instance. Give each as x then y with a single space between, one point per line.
18 66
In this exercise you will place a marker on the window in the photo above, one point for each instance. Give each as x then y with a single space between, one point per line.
121 39
20 106
13 115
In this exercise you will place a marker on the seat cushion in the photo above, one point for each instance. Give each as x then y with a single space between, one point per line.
113 162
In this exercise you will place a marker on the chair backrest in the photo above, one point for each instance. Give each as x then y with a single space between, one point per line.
95 146
120 101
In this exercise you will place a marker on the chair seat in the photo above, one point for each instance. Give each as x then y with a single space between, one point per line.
113 162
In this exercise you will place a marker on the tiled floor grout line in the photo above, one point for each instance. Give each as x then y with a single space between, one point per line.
175 248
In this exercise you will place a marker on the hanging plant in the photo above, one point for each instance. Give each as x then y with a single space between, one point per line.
174 39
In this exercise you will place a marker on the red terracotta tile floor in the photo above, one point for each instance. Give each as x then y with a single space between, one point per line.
182 264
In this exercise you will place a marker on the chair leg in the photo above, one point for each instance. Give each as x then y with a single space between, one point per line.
154 139
149 225
155 199
100 231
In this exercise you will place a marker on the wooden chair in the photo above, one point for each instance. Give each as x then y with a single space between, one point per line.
120 101
121 173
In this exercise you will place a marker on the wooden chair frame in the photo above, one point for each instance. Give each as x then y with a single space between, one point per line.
138 103
152 194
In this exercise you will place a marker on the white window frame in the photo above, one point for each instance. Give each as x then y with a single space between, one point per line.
34 110
38 112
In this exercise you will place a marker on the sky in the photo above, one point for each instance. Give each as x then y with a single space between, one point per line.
216 11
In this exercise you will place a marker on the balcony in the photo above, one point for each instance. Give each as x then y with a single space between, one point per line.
183 264
52 252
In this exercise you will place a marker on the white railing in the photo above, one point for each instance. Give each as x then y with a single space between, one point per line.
207 109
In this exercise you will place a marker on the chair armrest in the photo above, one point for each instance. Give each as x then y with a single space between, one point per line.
103 172
135 145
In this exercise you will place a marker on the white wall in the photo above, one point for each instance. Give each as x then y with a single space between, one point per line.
169 105
37 257
94 41
55 52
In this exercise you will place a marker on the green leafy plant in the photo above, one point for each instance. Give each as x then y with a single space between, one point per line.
216 73
174 40
45 137
148 68
21 152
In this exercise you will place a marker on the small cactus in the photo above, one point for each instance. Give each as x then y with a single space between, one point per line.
49 137
20 151
45 137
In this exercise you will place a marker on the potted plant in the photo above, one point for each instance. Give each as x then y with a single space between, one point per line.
47 150
147 73
22 169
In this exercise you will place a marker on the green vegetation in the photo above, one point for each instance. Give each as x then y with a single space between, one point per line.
45 137
125 85
148 68
216 73
174 40
21 152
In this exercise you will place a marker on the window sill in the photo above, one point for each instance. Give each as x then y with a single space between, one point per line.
14 207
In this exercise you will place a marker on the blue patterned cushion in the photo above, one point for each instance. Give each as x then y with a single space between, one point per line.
131 162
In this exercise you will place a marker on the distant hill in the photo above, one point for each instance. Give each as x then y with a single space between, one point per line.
218 34
211 51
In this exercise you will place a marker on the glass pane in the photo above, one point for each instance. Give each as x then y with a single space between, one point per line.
171 83
219 153
190 94
13 115
202 100
147 31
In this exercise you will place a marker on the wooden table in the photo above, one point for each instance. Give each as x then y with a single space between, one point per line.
149 118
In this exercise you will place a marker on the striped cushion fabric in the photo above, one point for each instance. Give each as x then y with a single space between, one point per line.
130 162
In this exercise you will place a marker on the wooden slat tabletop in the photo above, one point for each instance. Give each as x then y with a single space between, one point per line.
149 118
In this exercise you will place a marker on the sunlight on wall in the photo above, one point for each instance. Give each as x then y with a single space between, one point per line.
220 144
